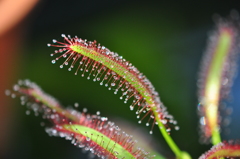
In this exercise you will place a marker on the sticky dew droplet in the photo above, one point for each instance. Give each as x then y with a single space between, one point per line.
113 84
42 124
177 127
84 110
131 107
202 121
199 106
104 118
13 95
76 105
7 92
28 112
53 61
87 139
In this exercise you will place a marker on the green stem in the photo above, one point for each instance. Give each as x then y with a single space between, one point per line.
179 154
169 140
216 138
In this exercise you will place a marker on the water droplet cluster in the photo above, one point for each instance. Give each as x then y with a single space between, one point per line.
228 149
38 101
98 63
66 123
95 142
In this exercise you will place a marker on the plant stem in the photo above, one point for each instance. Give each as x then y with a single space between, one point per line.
169 140
216 138
179 154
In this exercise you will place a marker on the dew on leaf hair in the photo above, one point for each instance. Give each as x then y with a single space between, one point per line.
228 149
91 132
225 112
98 63
97 142
76 105
217 72
38 101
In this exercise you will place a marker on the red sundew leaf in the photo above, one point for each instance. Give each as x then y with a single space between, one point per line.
116 73
228 149
91 132
217 72
35 99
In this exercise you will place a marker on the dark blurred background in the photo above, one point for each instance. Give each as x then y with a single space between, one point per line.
163 39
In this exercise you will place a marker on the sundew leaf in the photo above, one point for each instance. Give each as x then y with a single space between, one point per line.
98 63
228 149
91 132
217 72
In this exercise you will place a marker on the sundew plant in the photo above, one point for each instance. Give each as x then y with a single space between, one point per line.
104 138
